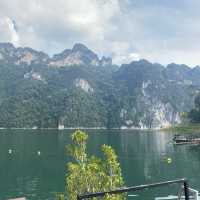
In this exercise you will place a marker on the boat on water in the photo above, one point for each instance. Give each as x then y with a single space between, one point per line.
181 139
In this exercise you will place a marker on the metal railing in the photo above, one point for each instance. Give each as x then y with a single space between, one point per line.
136 188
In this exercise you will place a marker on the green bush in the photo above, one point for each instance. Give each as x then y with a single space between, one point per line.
88 174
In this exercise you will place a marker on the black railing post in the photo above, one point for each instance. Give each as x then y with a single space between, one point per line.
186 190
136 188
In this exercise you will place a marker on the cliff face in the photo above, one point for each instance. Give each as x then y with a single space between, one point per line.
154 115
76 88
158 96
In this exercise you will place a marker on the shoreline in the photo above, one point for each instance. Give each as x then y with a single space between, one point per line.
184 128
86 128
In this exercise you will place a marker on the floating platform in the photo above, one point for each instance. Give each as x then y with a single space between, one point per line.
180 140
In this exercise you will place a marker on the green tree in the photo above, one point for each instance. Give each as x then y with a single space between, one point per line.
194 114
89 173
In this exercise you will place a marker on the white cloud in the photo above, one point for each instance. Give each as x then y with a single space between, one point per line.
124 29
126 58
8 31
49 25
121 52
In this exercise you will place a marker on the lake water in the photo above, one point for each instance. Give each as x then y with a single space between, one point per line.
143 157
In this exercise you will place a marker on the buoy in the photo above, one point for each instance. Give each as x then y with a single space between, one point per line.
169 160
38 153
10 151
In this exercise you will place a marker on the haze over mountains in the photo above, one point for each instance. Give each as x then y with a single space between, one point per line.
76 88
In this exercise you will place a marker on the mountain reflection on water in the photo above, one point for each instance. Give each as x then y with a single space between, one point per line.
143 155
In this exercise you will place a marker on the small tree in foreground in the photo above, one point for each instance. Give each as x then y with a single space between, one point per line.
91 174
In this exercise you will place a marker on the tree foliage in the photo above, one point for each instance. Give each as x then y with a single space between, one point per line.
41 96
194 114
88 174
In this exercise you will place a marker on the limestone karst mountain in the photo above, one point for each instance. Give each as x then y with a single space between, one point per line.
76 88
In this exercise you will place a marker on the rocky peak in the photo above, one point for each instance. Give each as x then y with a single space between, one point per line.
196 68
177 72
78 55
6 46
21 55
141 62
178 67
85 55
61 55
80 47
28 55
6 50
194 75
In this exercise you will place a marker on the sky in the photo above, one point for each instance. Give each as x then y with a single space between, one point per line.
162 31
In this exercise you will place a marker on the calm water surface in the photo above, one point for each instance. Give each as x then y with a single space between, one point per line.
143 157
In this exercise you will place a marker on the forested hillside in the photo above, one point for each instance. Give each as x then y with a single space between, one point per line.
77 89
